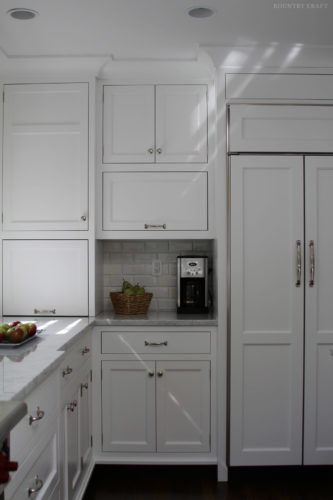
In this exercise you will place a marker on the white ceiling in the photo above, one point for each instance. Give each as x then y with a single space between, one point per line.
160 29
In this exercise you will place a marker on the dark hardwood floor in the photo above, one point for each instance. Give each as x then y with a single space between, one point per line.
113 482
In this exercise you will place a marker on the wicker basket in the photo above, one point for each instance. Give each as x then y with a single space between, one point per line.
130 304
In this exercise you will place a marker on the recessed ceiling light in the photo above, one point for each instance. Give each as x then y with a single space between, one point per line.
200 12
22 13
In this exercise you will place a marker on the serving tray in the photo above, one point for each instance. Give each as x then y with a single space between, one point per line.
6 344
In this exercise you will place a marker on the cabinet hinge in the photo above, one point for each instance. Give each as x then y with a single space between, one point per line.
90 375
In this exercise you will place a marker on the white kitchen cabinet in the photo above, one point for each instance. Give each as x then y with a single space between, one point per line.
281 276
156 400
45 157
45 277
283 128
162 124
182 419
266 313
75 373
155 201
318 373
34 444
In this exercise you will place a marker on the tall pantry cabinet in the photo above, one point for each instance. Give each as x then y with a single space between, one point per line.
45 199
281 285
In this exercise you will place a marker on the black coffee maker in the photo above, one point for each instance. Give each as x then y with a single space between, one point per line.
192 284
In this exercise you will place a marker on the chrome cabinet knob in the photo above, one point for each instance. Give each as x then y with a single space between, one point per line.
67 371
85 350
151 151
38 486
159 151
160 374
84 218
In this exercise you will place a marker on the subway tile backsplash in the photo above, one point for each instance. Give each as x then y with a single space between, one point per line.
131 260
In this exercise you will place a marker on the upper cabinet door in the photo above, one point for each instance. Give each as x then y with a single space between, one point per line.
45 277
285 128
45 157
128 124
181 123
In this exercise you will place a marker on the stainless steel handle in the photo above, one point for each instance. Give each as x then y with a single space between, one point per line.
299 263
150 151
164 342
85 350
159 151
151 374
39 485
84 217
41 311
160 374
149 226
312 263
67 371
83 386
39 415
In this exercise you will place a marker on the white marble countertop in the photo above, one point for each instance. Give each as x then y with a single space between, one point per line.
163 318
24 367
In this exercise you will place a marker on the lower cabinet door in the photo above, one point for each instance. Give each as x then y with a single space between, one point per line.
53 277
183 406
128 405
155 201
72 458
85 419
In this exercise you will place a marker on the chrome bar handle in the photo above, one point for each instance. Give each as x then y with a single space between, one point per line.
165 342
299 263
155 226
41 311
312 263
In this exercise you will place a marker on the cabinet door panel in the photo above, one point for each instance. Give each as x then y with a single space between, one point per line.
72 463
128 405
183 406
318 404
52 276
85 419
181 123
45 169
266 311
176 199
128 124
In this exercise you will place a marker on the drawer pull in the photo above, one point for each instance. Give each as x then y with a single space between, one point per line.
84 386
85 350
67 371
39 415
44 311
155 226
38 486
164 342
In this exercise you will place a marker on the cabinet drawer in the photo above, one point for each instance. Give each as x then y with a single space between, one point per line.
42 405
41 477
155 201
76 358
168 342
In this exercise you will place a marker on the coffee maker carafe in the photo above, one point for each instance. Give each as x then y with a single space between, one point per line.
192 284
